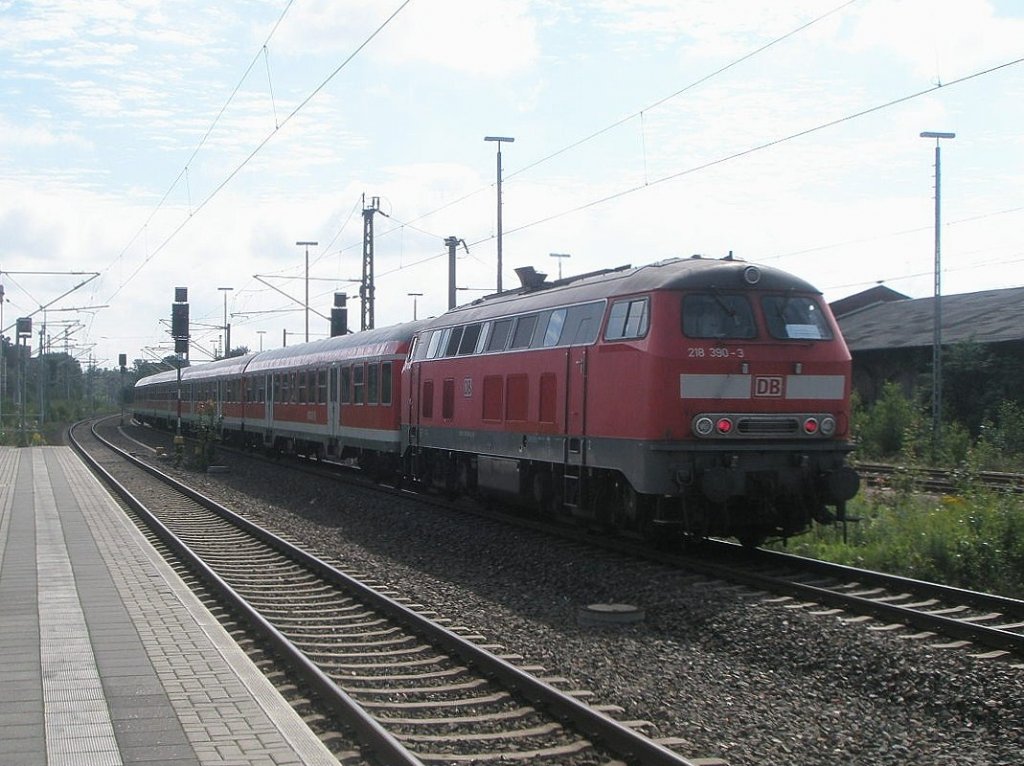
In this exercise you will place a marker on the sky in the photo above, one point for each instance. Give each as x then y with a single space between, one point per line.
148 144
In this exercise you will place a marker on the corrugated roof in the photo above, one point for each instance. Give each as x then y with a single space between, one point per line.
990 316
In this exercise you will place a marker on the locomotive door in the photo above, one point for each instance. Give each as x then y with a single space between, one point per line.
575 448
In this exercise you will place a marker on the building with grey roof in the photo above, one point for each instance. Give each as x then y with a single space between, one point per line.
890 338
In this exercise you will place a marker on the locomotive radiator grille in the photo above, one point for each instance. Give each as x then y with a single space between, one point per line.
767 426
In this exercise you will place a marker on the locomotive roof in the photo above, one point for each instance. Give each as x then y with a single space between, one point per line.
694 273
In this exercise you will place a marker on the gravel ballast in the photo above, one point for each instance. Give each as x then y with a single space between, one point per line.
729 671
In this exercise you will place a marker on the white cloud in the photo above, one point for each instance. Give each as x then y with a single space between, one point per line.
482 37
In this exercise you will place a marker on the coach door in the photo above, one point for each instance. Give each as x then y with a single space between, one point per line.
333 412
575 424
270 394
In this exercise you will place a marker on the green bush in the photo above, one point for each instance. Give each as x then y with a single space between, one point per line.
975 540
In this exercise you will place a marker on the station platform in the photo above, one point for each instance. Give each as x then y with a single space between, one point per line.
106 657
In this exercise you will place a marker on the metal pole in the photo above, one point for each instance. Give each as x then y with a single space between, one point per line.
499 140
415 297
937 318
307 244
560 257
227 327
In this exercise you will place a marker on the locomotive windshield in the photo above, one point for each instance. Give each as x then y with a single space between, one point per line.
795 318
717 315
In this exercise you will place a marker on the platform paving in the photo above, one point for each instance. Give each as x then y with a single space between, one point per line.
106 657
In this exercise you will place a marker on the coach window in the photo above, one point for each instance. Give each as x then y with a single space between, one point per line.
346 385
321 386
499 335
718 315
795 318
302 395
385 383
372 370
524 331
358 385
469 338
627 319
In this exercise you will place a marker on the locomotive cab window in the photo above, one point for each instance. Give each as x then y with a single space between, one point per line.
795 318
627 319
718 315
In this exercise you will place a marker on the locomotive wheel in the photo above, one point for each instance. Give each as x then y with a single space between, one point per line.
751 539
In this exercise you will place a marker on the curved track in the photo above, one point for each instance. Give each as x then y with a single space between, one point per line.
414 690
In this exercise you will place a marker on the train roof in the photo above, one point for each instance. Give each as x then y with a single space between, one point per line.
385 341
694 273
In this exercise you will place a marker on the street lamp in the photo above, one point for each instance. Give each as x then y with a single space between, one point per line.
560 257
227 327
937 320
499 140
307 245
414 296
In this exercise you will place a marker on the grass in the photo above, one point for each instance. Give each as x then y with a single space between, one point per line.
973 540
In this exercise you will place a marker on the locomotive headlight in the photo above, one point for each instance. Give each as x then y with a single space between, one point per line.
751 275
724 426
828 426
703 426
811 426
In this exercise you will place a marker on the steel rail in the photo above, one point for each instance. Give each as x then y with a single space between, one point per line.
997 638
592 722
367 729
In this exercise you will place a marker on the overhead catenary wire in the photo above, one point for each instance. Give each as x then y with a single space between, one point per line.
730 157
259 147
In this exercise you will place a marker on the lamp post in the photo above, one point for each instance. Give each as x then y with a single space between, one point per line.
414 297
560 257
227 327
307 245
261 333
499 140
937 319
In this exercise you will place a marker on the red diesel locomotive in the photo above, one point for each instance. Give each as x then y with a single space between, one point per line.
692 396
705 396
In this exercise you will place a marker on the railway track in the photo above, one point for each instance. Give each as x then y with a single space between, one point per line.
940 614
913 609
413 687
937 479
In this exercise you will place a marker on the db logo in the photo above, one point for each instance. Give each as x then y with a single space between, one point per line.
768 385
